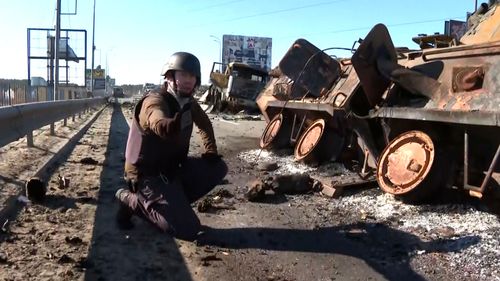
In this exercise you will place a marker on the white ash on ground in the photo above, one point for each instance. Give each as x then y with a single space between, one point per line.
470 235
287 164
473 235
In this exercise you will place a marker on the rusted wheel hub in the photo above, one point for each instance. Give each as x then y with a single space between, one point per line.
276 133
309 139
318 143
405 162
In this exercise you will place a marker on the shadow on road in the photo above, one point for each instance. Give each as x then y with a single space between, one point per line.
386 250
12 181
62 202
140 254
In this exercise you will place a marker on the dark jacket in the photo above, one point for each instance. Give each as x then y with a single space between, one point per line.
160 133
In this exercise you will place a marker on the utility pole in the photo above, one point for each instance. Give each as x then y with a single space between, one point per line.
93 49
216 39
56 49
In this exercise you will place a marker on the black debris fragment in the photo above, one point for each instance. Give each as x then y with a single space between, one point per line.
89 161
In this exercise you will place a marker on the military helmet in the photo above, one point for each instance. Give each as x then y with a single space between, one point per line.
183 61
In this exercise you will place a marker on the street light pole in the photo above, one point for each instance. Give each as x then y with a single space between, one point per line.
93 51
216 39
108 72
56 49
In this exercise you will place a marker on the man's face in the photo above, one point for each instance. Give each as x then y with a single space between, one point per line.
185 82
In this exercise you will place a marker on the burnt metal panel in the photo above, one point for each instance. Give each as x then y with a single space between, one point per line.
245 89
309 67
483 25
344 88
376 48
302 106
459 117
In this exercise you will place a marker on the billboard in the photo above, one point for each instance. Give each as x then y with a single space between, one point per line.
98 73
99 78
254 51
99 84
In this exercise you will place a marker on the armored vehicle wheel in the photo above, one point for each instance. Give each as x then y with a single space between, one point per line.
411 167
277 133
318 143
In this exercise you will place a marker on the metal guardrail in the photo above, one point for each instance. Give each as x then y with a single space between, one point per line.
20 120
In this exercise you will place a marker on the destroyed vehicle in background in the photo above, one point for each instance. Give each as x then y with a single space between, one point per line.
234 87
439 110
308 106
148 87
421 120
118 92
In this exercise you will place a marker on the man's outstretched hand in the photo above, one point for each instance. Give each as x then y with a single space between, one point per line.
170 126
173 125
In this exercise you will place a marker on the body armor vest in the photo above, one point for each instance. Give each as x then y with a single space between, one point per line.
147 154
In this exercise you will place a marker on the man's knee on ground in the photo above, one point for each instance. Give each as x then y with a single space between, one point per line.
221 169
188 230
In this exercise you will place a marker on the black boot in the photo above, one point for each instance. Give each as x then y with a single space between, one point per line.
124 214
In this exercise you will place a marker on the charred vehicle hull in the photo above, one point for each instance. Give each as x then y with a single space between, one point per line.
307 104
234 86
439 110
419 120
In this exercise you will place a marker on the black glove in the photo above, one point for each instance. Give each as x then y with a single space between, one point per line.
211 156
132 185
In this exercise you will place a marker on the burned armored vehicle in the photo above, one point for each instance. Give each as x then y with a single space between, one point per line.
234 87
420 120
309 103
439 109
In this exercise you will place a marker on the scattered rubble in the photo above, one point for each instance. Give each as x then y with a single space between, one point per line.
330 191
73 240
36 189
89 161
256 190
63 182
281 184
215 201
224 193
65 259
268 166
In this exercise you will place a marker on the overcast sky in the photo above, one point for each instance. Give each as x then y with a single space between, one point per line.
135 38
